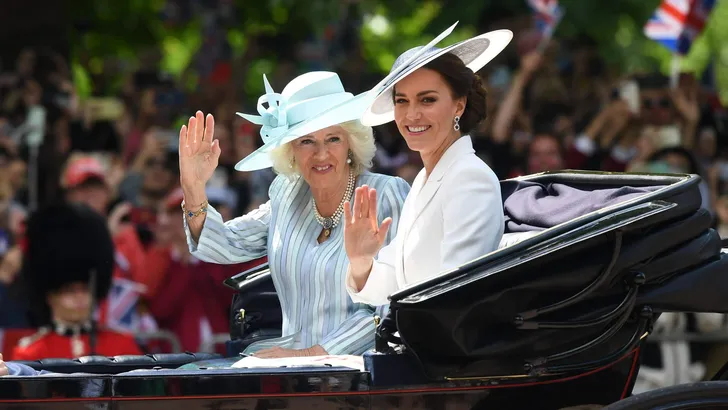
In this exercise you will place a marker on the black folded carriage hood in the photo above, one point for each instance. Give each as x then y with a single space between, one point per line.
579 295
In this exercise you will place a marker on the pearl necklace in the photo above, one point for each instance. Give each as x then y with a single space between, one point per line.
332 221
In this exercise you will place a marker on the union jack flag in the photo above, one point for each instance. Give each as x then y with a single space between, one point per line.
121 305
120 310
547 14
677 23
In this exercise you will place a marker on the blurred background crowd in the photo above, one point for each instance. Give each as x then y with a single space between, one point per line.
90 112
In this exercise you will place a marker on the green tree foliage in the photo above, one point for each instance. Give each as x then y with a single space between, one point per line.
120 29
614 26
387 31
712 47
110 28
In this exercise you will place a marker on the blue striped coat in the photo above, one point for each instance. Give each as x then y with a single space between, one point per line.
309 277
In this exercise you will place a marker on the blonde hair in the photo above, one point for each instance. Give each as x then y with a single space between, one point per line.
361 144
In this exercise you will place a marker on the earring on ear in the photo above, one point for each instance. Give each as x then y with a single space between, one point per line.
456 127
349 157
290 164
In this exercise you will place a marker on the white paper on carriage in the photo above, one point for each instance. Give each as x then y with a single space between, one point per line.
350 361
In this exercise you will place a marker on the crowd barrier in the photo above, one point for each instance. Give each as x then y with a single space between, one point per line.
675 344
161 336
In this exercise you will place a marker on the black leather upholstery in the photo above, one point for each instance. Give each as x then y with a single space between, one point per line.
255 313
573 298
117 364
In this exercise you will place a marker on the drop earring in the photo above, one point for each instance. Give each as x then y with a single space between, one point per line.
456 127
348 159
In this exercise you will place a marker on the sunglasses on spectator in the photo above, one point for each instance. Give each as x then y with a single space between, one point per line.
651 103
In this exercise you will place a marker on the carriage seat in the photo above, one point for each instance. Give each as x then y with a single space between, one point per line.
117 364
513 238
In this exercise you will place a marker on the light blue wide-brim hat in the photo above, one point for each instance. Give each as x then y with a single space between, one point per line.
309 103
475 53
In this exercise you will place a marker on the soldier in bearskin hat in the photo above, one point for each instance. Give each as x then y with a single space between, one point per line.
67 269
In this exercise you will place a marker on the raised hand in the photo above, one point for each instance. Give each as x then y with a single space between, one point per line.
199 153
686 103
363 236
531 61
116 216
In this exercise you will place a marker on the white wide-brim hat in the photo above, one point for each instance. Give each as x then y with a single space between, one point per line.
309 103
475 53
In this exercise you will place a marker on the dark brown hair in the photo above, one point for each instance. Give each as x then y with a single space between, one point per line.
463 83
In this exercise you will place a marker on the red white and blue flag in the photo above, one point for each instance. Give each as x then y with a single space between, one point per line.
677 23
122 301
120 310
547 14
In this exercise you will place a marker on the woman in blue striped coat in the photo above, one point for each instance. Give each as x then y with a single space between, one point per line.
321 152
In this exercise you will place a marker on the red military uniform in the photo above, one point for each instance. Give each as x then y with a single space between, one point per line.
47 343
67 269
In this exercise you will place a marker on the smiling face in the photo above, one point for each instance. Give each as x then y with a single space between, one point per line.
321 157
424 110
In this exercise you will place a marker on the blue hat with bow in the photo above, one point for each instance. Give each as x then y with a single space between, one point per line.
474 52
310 102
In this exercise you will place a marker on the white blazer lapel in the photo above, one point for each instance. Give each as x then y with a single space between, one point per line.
426 194
460 147
422 193
409 213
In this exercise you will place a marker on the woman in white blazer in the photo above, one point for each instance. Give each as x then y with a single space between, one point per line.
453 213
